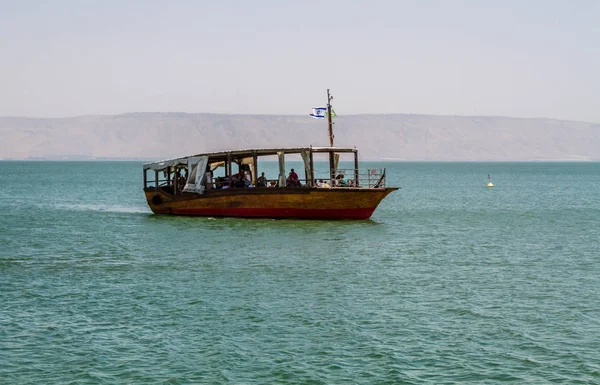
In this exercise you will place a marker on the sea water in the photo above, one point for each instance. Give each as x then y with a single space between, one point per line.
449 282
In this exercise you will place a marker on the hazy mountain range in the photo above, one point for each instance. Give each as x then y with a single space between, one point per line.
390 137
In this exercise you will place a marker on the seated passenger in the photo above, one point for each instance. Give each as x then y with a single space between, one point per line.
261 181
340 181
239 181
181 181
209 181
292 179
246 173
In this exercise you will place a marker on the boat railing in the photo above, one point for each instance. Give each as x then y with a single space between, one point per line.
367 178
161 182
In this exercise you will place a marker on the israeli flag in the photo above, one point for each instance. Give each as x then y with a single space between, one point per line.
319 112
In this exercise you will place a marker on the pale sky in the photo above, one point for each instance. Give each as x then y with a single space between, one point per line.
520 58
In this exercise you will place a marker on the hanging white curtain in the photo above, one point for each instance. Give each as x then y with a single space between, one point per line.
196 179
281 157
306 158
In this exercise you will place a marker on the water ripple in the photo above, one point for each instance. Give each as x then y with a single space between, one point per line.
449 283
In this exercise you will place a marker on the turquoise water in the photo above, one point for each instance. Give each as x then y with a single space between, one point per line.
448 283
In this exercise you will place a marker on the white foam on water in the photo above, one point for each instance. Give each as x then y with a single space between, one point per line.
102 208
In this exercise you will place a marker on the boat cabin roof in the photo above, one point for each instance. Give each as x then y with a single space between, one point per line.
241 154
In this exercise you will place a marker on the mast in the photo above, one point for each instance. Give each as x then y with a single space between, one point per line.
331 155
329 98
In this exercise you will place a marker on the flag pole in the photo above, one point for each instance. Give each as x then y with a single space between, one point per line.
329 98
331 155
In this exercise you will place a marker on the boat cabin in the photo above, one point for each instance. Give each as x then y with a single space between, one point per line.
240 169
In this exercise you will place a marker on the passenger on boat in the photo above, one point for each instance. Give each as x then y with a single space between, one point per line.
323 184
261 181
239 181
209 180
181 180
248 177
244 173
272 184
292 179
340 181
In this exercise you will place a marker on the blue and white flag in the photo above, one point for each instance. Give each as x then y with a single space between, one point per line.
319 112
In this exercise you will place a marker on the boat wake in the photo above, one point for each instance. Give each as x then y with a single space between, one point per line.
103 208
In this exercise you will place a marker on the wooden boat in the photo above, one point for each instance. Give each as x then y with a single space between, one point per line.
188 185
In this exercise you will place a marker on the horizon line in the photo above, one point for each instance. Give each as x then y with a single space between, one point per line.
391 160
292 115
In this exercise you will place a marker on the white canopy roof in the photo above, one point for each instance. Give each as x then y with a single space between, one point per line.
161 165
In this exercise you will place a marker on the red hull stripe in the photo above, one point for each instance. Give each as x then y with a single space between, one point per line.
280 213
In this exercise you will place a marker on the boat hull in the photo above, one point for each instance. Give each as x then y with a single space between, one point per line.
306 203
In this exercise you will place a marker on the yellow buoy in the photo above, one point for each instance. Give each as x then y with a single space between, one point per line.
490 184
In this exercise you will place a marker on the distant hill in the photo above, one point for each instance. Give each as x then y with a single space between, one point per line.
393 137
